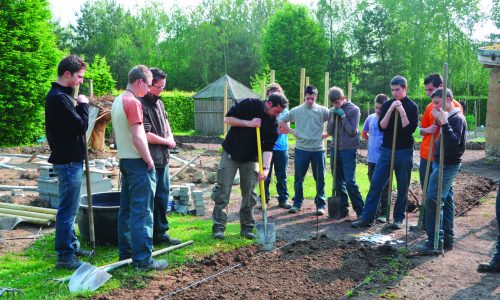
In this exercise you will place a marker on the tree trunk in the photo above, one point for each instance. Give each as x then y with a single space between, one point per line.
99 132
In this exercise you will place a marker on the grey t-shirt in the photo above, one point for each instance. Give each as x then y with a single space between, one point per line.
309 123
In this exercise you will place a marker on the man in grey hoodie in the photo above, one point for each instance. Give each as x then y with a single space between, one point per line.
348 134
309 119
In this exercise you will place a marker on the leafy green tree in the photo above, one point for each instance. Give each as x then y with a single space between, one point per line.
28 57
99 73
293 40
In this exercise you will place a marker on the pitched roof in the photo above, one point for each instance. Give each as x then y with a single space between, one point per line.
235 90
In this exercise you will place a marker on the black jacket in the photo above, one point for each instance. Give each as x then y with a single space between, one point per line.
155 118
454 133
65 125
404 137
241 142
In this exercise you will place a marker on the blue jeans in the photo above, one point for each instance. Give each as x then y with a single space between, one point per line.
280 163
302 160
449 205
496 256
449 172
403 163
135 217
69 185
346 180
162 194
382 208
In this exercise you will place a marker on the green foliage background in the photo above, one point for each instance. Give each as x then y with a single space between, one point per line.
28 61
286 55
100 74
180 108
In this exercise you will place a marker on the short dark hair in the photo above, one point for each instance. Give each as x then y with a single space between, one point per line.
72 64
399 80
439 93
310 89
277 99
435 79
381 98
158 74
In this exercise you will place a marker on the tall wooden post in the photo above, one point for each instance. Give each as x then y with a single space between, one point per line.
263 90
307 81
349 91
475 115
225 107
302 82
91 87
273 79
327 88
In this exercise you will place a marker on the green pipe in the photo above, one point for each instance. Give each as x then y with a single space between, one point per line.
42 210
38 221
27 214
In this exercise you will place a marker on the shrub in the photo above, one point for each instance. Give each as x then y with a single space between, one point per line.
180 108
100 74
28 60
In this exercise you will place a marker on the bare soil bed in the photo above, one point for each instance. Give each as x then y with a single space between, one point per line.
313 269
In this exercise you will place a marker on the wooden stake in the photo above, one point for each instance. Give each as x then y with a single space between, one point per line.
263 90
349 91
475 115
302 82
441 161
307 81
91 87
225 108
273 76
327 88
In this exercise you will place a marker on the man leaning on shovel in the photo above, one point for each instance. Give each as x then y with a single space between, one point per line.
240 153
65 126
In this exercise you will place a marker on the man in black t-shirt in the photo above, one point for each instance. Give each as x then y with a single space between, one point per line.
240 153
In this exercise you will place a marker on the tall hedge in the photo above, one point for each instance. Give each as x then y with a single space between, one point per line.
28 60
180 108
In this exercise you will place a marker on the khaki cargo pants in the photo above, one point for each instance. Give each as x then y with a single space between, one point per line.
222 191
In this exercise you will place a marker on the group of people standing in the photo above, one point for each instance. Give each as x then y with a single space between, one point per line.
144 137
240 152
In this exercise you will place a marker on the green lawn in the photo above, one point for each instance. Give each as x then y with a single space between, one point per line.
309 184
32 270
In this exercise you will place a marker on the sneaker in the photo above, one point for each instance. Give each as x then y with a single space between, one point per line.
284 205
320 212
71 264
424 249
155 265
360 223
248 235
218 235
166 239
491 267
83 253
396 225
381 219
294 209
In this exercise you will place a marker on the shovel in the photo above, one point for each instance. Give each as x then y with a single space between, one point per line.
391 169
334 202
266 234
89 278
421 214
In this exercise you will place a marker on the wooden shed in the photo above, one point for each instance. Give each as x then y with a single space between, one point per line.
209 106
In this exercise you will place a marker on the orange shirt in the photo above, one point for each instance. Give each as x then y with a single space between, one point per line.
428 120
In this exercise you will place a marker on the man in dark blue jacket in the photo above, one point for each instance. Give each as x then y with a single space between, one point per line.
65 126
453 129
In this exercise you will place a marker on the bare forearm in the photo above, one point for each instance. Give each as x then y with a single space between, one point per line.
140 143
155 139
266 159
